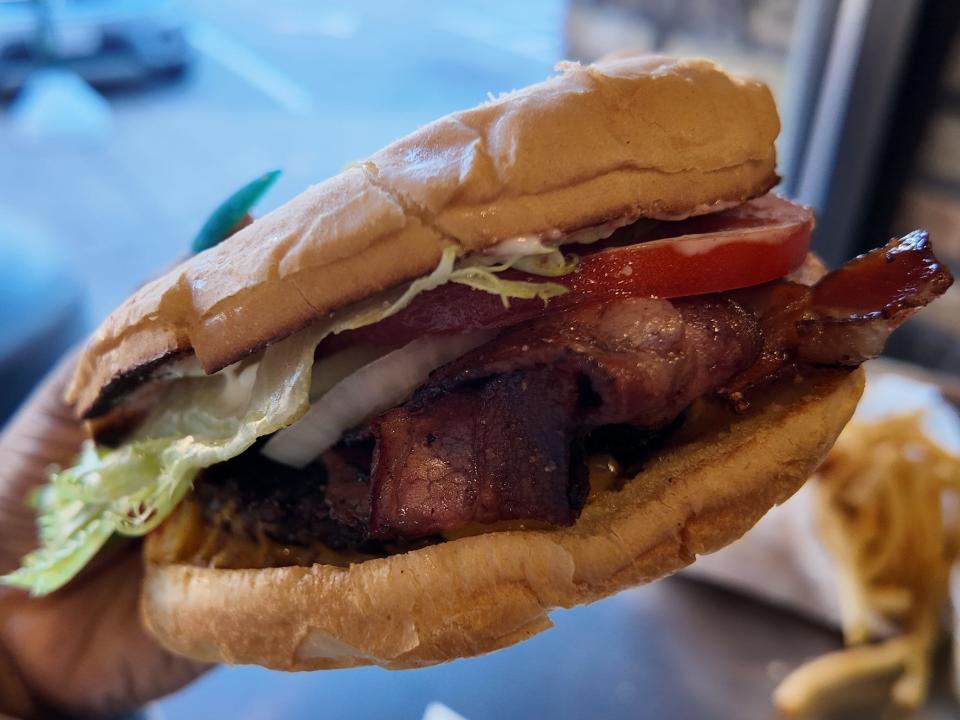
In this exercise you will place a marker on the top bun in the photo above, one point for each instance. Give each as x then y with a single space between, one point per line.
623 139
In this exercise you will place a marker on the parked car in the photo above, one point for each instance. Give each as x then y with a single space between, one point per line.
107 42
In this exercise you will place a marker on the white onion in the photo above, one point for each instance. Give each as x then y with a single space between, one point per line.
373 388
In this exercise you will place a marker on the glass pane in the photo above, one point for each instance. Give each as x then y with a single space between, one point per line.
931 200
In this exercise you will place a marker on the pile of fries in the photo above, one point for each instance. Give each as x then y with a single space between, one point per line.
887 509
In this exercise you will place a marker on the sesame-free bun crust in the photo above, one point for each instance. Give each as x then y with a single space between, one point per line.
627 138
477 594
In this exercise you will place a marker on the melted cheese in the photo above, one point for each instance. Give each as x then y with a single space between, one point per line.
185 537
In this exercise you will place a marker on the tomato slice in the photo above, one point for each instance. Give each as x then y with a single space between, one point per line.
753 243
756 242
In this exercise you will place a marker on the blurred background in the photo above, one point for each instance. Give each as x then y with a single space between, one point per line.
123 123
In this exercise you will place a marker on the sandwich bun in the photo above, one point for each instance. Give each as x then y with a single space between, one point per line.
711 483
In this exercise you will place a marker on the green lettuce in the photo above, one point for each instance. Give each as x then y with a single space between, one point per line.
201 421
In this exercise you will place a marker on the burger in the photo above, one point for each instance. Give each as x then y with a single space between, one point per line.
530 355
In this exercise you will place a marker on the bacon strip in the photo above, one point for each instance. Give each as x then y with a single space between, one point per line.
498 451
640 360
846 317
491 437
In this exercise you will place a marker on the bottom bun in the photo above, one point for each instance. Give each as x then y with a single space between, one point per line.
715 478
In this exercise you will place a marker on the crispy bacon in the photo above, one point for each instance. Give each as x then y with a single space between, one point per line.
639 360
498 450
491 437
846 317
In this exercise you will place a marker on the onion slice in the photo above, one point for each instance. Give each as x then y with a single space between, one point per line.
375 387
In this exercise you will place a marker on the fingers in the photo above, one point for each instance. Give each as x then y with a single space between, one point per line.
84 648
42 433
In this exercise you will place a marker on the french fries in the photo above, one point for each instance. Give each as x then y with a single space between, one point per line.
887 500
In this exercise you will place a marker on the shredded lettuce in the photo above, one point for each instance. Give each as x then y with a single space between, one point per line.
132 489
201 421
550 262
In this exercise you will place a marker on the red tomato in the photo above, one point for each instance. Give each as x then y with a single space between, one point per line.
758 241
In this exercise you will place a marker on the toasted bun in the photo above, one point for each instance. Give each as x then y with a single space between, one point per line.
628 138
477 594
